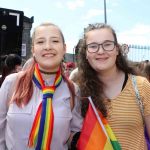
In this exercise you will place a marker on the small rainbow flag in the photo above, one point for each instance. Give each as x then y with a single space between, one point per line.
96 133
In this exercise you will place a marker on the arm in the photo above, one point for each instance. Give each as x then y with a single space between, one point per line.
76 122
3 112
146 102
147 123
5 96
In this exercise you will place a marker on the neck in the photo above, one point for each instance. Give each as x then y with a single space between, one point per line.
47 73
112 84
110 75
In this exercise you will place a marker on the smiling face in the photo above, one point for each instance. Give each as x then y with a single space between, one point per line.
101 60
48 47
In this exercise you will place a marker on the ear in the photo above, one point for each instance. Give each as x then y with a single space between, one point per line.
65 48
64 51
118 48
32 50
86 54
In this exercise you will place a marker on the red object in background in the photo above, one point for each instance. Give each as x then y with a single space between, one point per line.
70 65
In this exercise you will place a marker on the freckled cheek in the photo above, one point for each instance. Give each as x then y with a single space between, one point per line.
38 50
90 60
38 55
115 55
89 57
38 47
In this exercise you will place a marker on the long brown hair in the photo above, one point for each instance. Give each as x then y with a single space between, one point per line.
89 83
24 85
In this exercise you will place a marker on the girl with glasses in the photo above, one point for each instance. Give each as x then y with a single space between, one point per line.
104 74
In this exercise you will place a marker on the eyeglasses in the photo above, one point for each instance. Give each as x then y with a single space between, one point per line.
94 47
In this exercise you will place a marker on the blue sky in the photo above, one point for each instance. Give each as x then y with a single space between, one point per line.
130 18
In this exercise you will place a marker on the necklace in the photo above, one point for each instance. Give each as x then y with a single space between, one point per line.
44 72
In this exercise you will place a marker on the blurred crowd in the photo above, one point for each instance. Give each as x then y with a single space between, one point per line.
13 63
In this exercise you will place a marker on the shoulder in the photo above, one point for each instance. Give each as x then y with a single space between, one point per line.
140 79
10 79
74 87
142 82
73 73
143 87
7 87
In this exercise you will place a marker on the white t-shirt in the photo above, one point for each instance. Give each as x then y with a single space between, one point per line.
16 123
73 74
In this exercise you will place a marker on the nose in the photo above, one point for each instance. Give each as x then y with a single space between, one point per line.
100 49
48 45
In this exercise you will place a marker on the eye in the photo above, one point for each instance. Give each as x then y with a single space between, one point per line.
93 46
39 42
108 44
55 41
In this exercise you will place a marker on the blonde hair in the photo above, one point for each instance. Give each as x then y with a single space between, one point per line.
46 24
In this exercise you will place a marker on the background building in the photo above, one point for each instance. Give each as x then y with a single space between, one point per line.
15 37
15 33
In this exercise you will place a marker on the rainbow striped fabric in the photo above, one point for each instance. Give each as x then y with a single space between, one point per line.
42 128
96 134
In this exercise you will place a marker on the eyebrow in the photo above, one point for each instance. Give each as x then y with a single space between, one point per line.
41 38
54 37
104 41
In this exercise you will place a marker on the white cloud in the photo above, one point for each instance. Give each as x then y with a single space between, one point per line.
59 4
70 45
28 12
72 5
112 2
139 35
115 4
93 13
139 29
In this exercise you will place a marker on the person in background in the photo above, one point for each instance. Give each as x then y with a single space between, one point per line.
2 60
146 71
27 63
104 74
38 110
12 64
74 73
69 66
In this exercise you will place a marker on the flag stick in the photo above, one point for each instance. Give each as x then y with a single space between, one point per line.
97 115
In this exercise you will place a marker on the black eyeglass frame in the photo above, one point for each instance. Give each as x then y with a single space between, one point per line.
115 43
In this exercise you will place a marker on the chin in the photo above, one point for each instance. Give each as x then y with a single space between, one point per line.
52 67
49 65
100 69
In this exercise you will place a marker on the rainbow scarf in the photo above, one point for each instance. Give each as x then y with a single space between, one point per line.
42 127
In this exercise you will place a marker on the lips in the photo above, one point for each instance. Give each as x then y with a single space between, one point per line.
48 55
101 59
